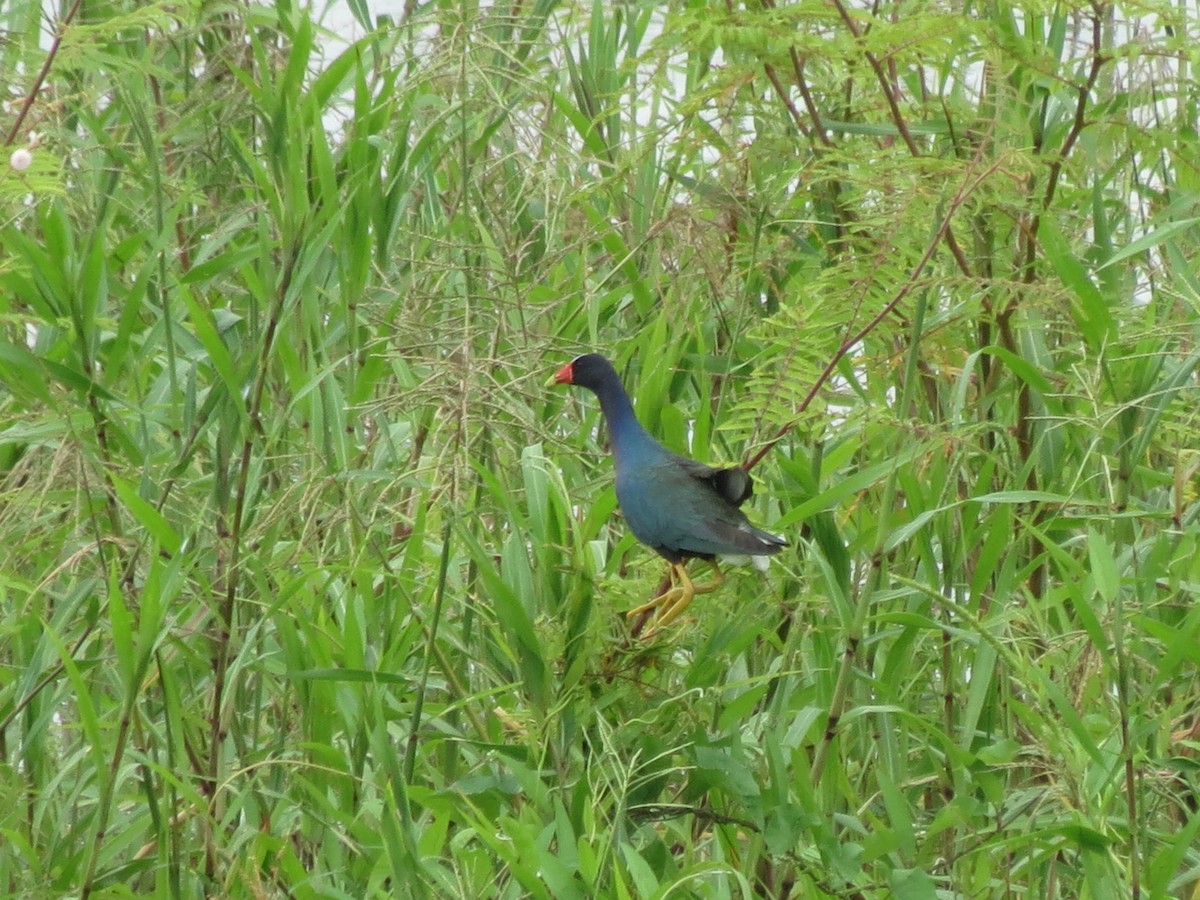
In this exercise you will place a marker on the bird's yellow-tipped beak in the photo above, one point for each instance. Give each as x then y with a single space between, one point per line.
565 375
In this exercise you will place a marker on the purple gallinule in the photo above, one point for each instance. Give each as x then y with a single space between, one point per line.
680 508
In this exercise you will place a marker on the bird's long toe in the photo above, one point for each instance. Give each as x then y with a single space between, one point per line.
671 603
717 581
671 609
664 600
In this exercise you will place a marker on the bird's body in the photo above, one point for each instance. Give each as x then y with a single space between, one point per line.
680 508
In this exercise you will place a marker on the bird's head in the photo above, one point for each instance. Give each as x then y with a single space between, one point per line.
590 371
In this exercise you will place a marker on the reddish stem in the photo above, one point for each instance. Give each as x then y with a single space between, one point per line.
42 74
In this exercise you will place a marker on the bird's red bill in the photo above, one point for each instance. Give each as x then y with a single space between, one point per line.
565 375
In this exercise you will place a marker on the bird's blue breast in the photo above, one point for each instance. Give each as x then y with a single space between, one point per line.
662 506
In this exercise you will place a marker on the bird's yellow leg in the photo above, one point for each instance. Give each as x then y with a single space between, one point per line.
718 580
674 601
671 603
661 599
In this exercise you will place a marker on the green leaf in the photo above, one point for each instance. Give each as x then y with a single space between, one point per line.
1153 238
1103 567
22 372
150 518
1090 308
912 884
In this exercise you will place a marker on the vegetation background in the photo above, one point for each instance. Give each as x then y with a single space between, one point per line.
310 589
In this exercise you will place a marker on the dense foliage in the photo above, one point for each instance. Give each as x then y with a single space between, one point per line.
310 588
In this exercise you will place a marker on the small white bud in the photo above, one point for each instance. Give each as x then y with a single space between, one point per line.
21 159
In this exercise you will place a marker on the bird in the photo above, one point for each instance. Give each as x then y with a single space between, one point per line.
678 507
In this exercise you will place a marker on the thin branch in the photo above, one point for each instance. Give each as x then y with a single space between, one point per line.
814 115
1028 244
43 73
809 104
890 95
661 812
1056 165
226 612
781 92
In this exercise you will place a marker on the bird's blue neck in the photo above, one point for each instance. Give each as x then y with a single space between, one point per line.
628 438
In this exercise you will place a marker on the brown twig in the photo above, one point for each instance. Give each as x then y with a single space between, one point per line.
806 95
661 812
1027 253
891 95
1030 232
226 611
781 92
43 73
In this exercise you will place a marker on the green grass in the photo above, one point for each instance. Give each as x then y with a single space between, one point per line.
310 589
